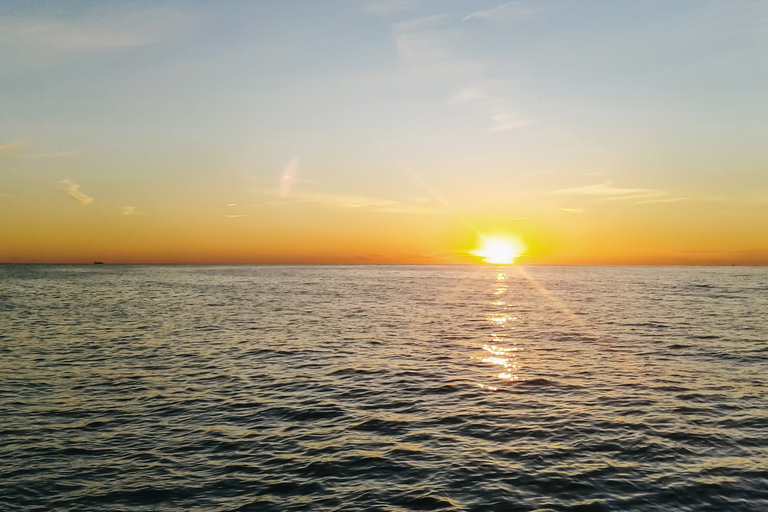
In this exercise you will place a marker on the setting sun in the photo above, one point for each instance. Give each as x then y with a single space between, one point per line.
498 250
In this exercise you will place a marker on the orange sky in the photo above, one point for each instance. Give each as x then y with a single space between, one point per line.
384 132
307 233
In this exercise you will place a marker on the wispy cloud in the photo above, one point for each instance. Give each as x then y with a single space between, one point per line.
287 195
424 47
469 95
60 154
391 7
357 203
73 191
608 192
492 96
21 149
510 12
509 122
425 51
127 210
100 29
11 148
419 41
431 54
663 200
288 177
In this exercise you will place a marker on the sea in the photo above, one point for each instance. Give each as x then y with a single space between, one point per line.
383 388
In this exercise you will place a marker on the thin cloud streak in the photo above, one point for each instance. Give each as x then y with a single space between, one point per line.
668 200
509 12
288 177
20 148
61 154
73 190
498 108
469 95
509 123
607 192
100 30
424 49
11 148
355 202
387 8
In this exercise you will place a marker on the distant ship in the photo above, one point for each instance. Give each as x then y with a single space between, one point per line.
98 262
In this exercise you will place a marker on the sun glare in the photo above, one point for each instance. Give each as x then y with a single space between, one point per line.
499 251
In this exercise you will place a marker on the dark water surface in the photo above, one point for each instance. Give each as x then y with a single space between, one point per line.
391 388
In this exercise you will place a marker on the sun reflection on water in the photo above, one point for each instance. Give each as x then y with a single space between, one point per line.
502 348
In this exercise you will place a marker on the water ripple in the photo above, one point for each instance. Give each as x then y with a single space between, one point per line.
383 388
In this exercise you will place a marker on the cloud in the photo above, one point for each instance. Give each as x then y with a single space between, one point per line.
100 29
509 122
358 203
667 200
431 54
423 46
60 154
419 42
472 94
390 7
73 191
510 12
493 96
607 192
11 148
288 177
20 148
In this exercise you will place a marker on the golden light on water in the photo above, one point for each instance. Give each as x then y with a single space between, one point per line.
503 353
499 250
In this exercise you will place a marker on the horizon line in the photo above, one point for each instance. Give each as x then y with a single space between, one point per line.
101 263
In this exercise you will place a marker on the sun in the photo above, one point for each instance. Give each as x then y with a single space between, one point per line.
499 250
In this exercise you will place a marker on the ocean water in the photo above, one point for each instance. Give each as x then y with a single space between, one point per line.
383 388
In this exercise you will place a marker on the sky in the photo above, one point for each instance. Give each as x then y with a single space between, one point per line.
383 131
